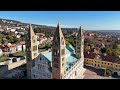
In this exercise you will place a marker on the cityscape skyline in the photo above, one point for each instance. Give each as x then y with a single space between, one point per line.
90 20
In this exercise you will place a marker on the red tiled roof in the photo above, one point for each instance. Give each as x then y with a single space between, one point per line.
89 55
108 58
22 42
12 45
4 45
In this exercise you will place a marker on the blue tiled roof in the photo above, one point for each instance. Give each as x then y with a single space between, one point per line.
48 56
69 59
69 49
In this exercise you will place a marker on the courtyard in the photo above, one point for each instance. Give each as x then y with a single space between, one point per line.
93 73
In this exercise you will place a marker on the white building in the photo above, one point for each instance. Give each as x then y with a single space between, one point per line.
19 47
18 36
1 52
13 30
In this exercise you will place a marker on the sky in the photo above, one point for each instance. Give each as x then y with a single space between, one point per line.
89 20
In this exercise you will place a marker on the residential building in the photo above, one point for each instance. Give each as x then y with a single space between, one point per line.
18 47
10 48
103 62
1 52
23 45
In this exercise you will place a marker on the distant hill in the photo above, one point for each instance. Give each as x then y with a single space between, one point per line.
114 31
18 23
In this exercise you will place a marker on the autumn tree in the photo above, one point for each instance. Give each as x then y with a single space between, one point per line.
87 48
109 51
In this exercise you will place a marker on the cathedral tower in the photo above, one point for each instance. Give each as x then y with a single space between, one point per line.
80 43
58 54
31 50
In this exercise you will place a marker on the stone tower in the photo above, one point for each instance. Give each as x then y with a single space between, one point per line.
80 43
31 50
58 54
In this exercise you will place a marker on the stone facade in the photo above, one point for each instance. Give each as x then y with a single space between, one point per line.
58 63
58 54
31 50
80 43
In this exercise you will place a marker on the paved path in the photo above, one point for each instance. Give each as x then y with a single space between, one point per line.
92 73
81 74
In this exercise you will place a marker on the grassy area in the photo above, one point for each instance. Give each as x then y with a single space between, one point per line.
21 53
3 58
41 50
43 47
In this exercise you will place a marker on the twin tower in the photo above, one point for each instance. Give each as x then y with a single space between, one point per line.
58 51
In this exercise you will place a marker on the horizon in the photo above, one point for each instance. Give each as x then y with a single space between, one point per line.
55 26
89 20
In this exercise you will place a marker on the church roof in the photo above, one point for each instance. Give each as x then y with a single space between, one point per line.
69 59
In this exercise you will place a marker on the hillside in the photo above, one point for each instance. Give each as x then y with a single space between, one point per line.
9 22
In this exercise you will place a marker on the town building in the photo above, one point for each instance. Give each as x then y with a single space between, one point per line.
1 52
103 62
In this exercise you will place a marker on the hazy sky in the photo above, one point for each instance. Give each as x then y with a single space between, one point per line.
89 20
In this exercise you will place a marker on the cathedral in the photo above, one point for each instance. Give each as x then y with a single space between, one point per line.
59 62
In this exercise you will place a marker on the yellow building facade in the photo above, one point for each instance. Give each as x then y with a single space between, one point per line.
97 63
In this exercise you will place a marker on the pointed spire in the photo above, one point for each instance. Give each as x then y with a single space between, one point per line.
30 31
58 26
80 27
80 32
58 30
58 22
30 26
58 35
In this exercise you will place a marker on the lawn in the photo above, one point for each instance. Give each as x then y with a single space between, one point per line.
3 58
41 50
21 53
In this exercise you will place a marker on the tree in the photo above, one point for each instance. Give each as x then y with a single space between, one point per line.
47 46
109 51
0 40
4 40
118 46
15 40
115 52
114 46
103 50
67 43
87 48
108 72
97 49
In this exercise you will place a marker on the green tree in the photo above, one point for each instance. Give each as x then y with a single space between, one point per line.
0 40
115 46
103 50
67 43
115 52
118 46
108 72
47 46
4 40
